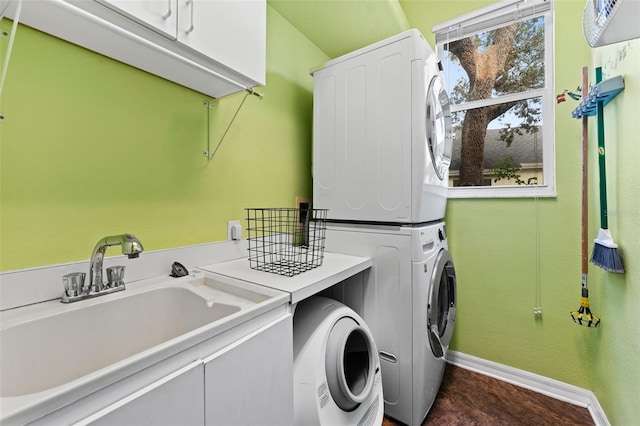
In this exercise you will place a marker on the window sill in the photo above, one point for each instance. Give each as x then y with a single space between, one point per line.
502 192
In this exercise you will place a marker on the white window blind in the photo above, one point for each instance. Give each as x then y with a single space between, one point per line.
490 17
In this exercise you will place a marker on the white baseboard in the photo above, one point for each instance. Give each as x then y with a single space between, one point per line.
544 385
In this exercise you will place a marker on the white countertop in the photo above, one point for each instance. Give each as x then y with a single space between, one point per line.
334 269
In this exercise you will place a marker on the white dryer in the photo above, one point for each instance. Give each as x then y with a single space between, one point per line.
337 379
408 300
382 138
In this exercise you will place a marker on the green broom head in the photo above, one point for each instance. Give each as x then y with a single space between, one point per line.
605 253
583 316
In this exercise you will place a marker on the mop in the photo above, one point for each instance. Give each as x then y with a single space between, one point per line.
583 315
605 251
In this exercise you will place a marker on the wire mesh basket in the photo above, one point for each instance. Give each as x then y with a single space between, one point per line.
286 241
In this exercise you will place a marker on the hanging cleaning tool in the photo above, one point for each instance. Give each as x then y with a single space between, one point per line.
583 315
605 251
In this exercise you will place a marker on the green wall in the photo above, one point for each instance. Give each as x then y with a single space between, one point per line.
616 297
508 251
92 147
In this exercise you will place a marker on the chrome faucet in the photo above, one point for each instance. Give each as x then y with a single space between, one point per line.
74 283
130 246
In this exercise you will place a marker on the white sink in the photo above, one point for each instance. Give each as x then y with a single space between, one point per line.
50 347
79 341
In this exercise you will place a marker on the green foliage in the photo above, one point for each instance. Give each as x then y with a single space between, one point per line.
523 71
506 169
495 71
524 68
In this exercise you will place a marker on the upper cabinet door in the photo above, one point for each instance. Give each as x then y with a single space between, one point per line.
158 15
217 47
230 31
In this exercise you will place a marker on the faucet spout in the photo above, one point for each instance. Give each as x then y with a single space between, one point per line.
130 246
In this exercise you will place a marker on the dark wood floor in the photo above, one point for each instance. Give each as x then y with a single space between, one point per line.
468 398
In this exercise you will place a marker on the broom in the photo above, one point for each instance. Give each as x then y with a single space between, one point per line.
605 251
583 315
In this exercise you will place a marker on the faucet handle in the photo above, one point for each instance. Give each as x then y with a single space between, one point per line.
115 276
74 283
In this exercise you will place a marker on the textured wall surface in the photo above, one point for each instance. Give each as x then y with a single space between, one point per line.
616 297
92 147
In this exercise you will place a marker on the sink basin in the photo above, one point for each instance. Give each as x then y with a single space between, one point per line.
50 348
40 354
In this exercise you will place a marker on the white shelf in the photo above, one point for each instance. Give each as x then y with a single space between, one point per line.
335 268
610 21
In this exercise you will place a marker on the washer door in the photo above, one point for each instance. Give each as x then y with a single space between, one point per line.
442 304
439 133
350 363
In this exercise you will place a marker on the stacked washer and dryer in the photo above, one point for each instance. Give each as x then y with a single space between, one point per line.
381 154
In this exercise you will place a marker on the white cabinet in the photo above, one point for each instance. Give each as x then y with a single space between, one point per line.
251 382
177 399
231 31
216 47
157 15
241 377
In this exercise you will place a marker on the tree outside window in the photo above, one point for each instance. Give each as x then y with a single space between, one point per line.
497 80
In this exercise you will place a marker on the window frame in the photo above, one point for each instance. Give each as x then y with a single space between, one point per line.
490 18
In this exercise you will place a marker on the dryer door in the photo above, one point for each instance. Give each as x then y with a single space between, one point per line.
438 121
350 363
442 304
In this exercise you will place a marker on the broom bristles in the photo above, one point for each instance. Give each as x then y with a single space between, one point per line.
607 258
605 253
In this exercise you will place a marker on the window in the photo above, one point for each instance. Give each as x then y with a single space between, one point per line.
498 70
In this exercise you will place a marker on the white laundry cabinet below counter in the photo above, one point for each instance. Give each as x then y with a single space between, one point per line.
222 373
246 383
240 375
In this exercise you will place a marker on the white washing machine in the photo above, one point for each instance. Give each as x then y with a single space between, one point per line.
408 300
382 144
382 138
337 379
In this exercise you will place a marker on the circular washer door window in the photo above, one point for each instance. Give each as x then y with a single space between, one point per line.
439 134
442 305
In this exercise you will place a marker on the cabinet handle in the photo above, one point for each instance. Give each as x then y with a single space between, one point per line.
190 3
166 15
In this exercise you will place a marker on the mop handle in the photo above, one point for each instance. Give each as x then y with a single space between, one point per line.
604 222
585 181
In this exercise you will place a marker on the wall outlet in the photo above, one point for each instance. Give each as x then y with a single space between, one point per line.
234 230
